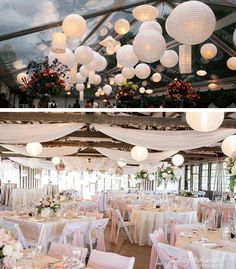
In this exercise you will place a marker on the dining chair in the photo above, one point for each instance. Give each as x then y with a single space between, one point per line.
57 250
77 230
157 236
108 260
173 257
228 213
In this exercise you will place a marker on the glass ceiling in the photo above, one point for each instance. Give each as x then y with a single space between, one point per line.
17 15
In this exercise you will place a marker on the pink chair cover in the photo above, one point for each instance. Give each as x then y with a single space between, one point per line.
173 257
109 260
211 217
156 237
114 223
228 212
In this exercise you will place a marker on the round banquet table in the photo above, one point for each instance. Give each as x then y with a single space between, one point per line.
148 220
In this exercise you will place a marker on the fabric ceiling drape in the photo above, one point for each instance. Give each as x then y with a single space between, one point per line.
41 163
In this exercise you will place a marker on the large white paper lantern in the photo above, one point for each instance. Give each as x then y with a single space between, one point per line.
139 154
83 71
177 159
34 148
74 26
185 59
121 164
234 37
145 13
208 51
119 79
228 146
169 59
122 27
231 63
22 78
191 23
156 77
79 87
56 160
204 121
107 89
66 58
126 56
128 72
98 63
80 79
33 163
83 55
146 48
150 25
58 42
142 71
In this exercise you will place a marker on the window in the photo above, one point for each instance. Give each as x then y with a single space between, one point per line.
205 176
195 177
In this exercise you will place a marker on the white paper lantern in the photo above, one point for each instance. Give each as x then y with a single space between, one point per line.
191 23
122 27
102 64
142 90
110 50
126 56
56 160
67 58
128 72
79 87
83 55
119 79
150 25
107 89
169 59
97 80
234 37
83 71
212 86
34 148
231 63
139 153
145 13
33 163
58 42
177 159
142 71
112 81
22 79
156 77
98 63
228 146
80 79
121 164
146 48
204 121
73 43
74 26
97 94
149 91
201 73
185 59
208 51
72 75
103 31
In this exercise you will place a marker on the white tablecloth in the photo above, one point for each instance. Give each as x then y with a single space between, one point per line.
193 202
210 257
147 221
25 197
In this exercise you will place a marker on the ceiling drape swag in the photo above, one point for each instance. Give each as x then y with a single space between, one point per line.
42 164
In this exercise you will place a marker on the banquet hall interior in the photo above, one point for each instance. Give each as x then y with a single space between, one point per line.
120 190
90 54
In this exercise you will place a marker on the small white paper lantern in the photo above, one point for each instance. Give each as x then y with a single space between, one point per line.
185 59
34 148
191 23
107 89
208 51
58 42
128 72
83 71
56 160
149 91
139 154
122 27
79 87
229 145
204 121
142 90
80 79
231 63
119 79
83 55
156 77
97 79
74 26
142 71
126 56
201 73
177 159
212 86
169 59
234 37
121 164
145 13
67 58
97 94
150 25
33 163
22 79
145 46
112 81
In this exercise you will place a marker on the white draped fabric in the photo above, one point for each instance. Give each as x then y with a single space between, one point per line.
125 156
165 140
41 163
26 133
47 151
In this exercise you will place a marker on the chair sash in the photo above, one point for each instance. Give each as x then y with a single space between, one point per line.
167 261
114 223
78 239
100 238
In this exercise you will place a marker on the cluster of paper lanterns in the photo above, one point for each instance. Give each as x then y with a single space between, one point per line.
106 90
142 90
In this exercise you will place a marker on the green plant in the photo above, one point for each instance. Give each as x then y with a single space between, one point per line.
142 174
165 174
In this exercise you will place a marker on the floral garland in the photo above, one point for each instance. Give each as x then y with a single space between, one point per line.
142 175
179 89
231 170
165 174
10 249
127 89
52 204
48 78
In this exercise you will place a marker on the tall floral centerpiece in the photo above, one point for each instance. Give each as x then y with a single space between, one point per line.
231 171
10 249
46 207
165 175
142 175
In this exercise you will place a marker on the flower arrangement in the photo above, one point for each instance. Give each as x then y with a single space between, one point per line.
165 174
10 249
48 78
49 204
142 175
127 89
231 170
64 196
179 89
